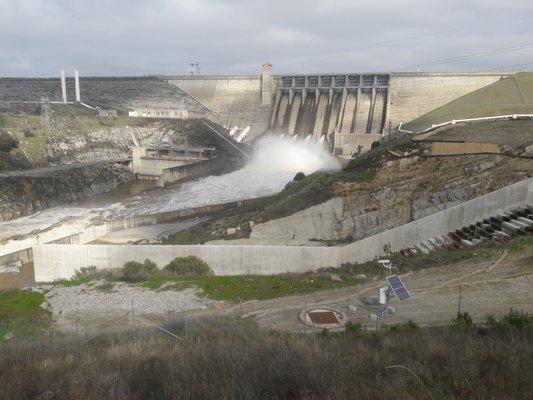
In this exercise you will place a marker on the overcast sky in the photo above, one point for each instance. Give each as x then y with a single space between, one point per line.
134 37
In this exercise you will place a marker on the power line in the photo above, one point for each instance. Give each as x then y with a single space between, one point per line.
380 43
468 56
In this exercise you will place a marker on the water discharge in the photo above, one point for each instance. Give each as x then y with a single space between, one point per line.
274 162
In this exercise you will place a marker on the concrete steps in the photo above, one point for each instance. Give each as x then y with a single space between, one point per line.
501 227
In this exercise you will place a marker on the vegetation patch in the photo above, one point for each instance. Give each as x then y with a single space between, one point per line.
254 363
21 314
190 265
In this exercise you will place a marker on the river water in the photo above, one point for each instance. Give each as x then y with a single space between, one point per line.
274 162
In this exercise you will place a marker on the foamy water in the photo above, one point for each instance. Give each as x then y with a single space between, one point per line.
274 162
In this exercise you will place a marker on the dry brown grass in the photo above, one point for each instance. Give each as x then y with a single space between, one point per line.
223 359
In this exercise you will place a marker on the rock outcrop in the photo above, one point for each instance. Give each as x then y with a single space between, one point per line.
402 191
30 192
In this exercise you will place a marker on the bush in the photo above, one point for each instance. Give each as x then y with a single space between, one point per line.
462 323
408 326
514 320
375 144
149 266
7 142
299 177
28 133
190 265
353 328
134 271
86 272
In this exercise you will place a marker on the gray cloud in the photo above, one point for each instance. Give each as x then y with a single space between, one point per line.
133 37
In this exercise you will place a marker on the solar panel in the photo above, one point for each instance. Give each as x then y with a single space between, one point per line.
398 287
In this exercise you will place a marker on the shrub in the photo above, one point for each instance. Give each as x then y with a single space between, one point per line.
353 328
375 144
408 326
134 271
514 320
86 272
462 323
190 265
28 133
7 142
149 266
299 176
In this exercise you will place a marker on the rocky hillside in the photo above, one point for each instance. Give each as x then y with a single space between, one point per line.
78 137
401 191
390 185
23 194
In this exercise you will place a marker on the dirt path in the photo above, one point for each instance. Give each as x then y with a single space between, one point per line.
435 292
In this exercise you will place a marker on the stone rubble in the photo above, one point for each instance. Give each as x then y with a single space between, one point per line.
117 297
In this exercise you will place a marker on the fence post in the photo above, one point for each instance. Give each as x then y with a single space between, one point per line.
132 318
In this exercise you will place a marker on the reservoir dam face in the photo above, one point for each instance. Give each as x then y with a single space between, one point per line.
349 111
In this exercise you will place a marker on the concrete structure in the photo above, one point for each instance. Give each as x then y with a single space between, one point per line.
150 162
266 85
107 113
231 100
159 113
456 148
351 109
63 88
193 170
56 261
414 94
77 85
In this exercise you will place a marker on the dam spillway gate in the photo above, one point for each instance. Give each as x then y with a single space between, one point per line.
349 110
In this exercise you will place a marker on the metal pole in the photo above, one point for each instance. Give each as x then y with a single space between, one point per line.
305 311
132 318
460 298
77 333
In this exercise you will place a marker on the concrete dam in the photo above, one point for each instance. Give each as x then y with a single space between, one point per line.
349 111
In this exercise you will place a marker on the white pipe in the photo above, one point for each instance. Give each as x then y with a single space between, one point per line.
77 85
63 87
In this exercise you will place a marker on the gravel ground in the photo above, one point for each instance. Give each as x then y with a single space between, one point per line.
106 298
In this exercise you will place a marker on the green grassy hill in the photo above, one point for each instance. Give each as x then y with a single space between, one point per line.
507 96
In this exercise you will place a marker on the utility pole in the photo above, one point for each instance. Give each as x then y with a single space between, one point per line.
460 299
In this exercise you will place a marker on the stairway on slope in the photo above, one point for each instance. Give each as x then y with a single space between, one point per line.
502 227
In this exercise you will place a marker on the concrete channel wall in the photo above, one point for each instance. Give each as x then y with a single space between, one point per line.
94 232
58 261
192 171
440 223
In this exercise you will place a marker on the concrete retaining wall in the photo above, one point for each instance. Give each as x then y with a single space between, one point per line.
192 171
440 223
58 261
454 148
